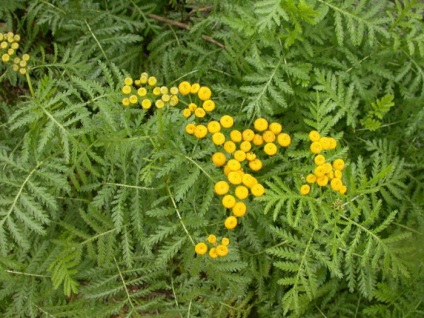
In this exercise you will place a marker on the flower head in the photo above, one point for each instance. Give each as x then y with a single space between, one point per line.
201 248
230 222
239 209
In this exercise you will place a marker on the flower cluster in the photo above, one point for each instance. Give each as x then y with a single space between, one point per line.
216 250
324 172
145 92
9 44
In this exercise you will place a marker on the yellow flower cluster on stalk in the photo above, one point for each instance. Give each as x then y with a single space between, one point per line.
145 92
237 152
9 44
216 250
324 172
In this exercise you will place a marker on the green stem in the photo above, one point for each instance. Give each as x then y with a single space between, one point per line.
31 89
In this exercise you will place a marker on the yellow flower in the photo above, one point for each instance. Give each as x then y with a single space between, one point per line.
276 128
284 140
126 102
239 155
174 100
319 160
338 174
10 52
311 178
249 180
204 93
322 181
184 88
146 103
255 165
189 128
316 147
226 121
143 78
314 136
221 250
241 192
228 201
128 81
336 184
245 146
219 159
5 57
166 98
225 241
212 239
230 222
234 177
208 105
214 126
199 112
156 91
15 67
233 165
343 190
137 82
338 164
186 112
159 103
239 209
325 143
141 92
333 143
17 37
250 156
221 187
235 135
248 134
268 136
319 171
4 45
133 99
270 149
327 167
164 90
218 138
201 248
257 190
229 147
15 46
151 81
212 252
174 90
260 124
126 89
257 140
194 88
25 57
200 131
192 107
304 189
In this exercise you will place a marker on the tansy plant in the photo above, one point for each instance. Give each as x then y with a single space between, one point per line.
267 163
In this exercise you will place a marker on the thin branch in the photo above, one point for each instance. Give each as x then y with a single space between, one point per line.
186 27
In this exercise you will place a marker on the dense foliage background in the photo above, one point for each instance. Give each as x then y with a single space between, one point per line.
98 202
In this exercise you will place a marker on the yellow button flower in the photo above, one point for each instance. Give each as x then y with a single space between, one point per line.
219 159
316 147
250 156
159 104
235 135
234 177
257 140
212 252
126 102
156 91
225 241
270 149
239 209
230 222
255 165
194 88
319 171
218 138
221 250
338 174
276 128
5 57
186 112
192 107
229 146
200 131
338 164
343 190
319 160
164 90
325 143
184 88
314 136
126 89
221 187
333 143
128 81
327 167
304 189
174 100
248 134
322 181
133 99
166 98
233 165
214 126
228 201
241 192
226 121
257 190
240 155
174 90
141 92
249 180
204 93
201 248
146 103
268 136
284 140
189 128
311 178
245 146
208 105
151 81
212 239
336 184
260 124
199 113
